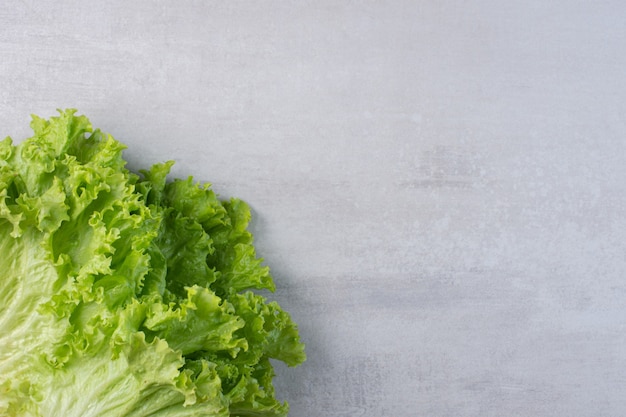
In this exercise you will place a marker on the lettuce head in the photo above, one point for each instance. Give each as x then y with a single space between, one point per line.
126 294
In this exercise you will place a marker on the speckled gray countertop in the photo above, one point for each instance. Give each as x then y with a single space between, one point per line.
438 186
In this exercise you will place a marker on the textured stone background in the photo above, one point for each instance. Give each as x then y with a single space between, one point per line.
439 186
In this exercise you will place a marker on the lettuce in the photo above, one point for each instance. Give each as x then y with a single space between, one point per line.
126 294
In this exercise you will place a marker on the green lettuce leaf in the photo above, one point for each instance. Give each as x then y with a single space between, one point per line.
126 294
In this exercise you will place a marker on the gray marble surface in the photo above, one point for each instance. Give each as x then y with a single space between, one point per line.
438 186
